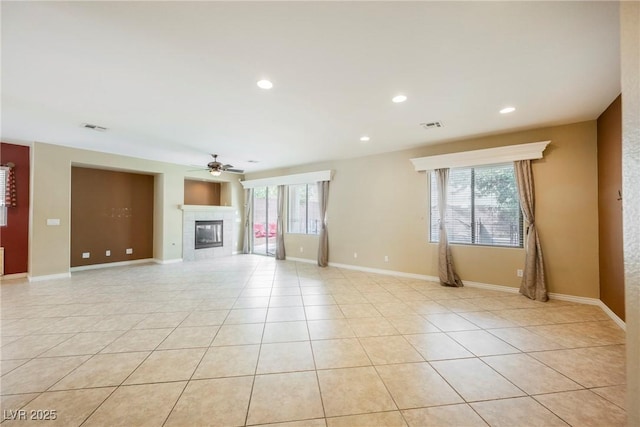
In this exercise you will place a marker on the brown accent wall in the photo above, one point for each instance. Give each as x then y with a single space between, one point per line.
14 238
110 211
201 193
610 208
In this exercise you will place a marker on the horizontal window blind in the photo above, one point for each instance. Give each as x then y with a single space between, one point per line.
482 207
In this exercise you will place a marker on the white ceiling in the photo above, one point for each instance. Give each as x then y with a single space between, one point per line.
174 81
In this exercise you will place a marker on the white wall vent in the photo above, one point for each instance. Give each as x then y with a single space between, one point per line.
431 125
94 127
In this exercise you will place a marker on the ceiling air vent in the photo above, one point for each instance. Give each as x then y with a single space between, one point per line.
94 127
431 125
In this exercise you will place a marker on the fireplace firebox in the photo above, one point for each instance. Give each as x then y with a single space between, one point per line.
208 234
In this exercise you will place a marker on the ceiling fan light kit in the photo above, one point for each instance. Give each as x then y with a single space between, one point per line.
216 168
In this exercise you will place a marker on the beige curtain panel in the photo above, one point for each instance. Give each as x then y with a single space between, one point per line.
280 252
533 283
446 270
248 214
323 244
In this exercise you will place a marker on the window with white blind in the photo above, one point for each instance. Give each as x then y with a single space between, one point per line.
303 214
3 196
482 207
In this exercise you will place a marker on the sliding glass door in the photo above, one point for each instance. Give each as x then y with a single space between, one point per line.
265 213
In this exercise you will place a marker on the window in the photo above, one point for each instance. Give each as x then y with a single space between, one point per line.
304 210
483 207
3 196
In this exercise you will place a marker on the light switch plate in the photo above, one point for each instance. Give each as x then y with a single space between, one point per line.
53 221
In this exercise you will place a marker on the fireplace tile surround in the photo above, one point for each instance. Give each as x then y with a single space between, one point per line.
193 213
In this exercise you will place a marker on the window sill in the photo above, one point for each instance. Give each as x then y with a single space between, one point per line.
469 245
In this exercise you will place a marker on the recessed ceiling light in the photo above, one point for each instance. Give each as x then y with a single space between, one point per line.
507 110
264 84
399 98
364 138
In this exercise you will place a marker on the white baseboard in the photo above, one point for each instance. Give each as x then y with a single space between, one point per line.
572 298
499 288
308 261
13 276
612 315
167 261
111 264
382 271
591 301
49 277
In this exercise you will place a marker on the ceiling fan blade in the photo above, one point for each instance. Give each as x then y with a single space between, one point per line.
234 170
227 167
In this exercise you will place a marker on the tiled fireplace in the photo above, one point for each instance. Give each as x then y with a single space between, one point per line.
207 231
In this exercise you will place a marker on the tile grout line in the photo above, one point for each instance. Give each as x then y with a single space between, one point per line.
360 287
255 371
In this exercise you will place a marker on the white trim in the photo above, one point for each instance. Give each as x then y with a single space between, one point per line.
573 298
487 156
49 277
167 261
111 264
300 178
591 301
305 260
612 315
206 208
13 276
382 271
499 288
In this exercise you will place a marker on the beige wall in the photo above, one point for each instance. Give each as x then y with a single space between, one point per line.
49 248
630 78
378 207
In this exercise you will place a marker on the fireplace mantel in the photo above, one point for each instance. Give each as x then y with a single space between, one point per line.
205 208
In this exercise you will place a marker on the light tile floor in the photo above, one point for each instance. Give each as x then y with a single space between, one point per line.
246 340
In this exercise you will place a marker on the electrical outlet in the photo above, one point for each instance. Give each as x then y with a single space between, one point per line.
519 272
86 255
129 251
386 258
301 249
355 254
108 253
